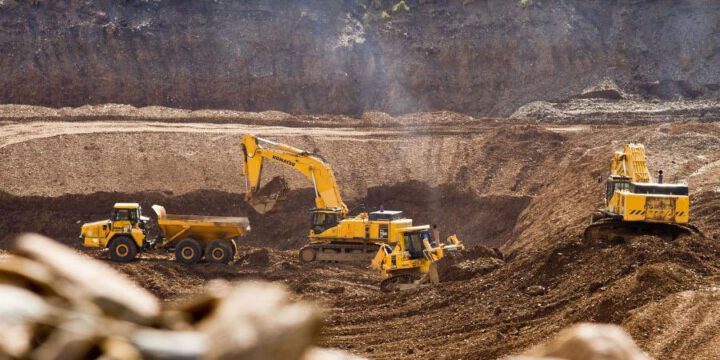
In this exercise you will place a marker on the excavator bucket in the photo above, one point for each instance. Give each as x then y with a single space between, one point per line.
269 195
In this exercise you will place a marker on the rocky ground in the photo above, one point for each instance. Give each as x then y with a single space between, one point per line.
524 185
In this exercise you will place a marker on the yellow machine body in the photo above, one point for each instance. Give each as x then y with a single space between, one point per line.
632 196
334 235
414 249
192 236
200 228
126 219
411 259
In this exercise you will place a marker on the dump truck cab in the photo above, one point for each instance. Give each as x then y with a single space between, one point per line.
124 233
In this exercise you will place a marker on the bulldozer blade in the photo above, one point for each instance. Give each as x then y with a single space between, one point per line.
444 268
433 274
268 196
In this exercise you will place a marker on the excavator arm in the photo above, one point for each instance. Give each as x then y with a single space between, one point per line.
256 150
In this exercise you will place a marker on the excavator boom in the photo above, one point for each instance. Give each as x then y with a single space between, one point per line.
256 150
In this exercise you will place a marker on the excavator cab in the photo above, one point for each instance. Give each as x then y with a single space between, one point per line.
323 219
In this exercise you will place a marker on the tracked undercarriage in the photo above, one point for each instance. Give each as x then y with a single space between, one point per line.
609 228
338 252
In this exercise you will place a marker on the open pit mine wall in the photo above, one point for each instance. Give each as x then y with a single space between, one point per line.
483 57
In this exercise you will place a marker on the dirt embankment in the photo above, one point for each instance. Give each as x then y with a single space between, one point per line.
533 185
285 227
348 57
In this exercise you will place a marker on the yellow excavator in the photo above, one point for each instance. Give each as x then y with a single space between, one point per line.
335 236
635 204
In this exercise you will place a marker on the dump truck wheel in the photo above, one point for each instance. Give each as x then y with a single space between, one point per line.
122 249
219 252
188 251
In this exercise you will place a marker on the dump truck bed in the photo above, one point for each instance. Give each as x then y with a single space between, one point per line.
198 227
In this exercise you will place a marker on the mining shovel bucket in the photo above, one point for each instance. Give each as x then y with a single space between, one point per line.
269 195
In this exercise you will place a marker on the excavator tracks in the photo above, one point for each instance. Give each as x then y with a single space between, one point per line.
613 230
338 252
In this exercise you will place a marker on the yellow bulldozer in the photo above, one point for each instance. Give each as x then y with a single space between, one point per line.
635 204
335 235
412 261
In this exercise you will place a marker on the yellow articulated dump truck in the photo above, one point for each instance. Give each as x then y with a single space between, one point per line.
192 237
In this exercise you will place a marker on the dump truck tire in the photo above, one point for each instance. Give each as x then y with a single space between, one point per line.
188 251
219 252
122 249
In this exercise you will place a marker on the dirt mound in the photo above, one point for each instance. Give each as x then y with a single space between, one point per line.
487 220
285 227
679 325
256 258
599 109
607 89
479 260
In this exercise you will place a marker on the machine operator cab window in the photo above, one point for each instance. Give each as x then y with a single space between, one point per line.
613 185
660 189
323 220
127 214
414 243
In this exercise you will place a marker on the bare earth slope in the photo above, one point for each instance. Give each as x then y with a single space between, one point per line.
528 186
328 56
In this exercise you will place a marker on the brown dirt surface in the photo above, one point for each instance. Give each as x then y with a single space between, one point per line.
524 187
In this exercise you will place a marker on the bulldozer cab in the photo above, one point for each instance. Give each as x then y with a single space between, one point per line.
323 219
413 243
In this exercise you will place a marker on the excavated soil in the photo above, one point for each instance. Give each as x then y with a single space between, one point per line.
524 187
